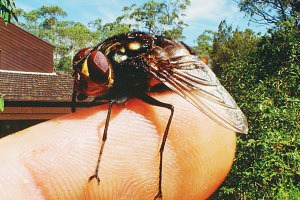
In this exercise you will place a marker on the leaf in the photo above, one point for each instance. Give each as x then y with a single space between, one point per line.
7 8
6 17
1 104
12 5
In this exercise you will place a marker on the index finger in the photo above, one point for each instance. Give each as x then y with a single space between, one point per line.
55 159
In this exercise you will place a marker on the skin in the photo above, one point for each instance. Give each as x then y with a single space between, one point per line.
54 159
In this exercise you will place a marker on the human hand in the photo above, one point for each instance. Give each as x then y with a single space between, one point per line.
54 159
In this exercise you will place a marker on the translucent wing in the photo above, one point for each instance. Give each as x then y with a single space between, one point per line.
187 75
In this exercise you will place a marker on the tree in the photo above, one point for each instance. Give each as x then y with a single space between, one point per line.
229 45
67 36
70 37
50 14
159 18
43 22
104 31
271 11
264 81
7 10
204 43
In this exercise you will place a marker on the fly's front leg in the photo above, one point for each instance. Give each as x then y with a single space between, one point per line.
104 137
152 101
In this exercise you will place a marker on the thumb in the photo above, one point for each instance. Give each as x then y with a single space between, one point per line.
54 159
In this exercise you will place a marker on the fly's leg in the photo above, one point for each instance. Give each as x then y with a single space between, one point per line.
155 102
104 137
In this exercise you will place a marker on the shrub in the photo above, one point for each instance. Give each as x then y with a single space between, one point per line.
265 83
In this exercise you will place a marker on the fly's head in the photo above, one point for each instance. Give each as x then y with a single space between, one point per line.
92 73
129 47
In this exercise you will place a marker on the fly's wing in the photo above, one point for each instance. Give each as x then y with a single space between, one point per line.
187 75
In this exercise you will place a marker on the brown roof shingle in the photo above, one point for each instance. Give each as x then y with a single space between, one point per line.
49 87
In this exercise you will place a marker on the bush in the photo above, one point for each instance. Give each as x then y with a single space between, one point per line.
265 83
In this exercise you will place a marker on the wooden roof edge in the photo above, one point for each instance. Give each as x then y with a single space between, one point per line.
34 73
20 103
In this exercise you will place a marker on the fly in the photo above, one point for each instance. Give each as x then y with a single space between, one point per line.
123 67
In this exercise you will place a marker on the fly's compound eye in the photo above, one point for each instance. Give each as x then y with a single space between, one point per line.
78 58
98 67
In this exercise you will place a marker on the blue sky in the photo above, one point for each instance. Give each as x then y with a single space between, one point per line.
202 14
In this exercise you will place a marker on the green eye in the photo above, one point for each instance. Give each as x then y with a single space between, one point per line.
119 57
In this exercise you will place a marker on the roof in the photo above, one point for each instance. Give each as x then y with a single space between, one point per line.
46 87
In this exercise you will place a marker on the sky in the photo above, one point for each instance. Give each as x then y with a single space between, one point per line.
201 15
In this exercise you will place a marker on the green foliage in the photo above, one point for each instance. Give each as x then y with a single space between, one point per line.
265 83
70 37
64 64
231 45
7 10
43 22
204 43
109 29
159 18
1 104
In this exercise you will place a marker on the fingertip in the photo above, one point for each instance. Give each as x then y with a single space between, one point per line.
61 154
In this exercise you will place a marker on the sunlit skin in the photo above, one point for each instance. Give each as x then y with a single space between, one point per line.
54 160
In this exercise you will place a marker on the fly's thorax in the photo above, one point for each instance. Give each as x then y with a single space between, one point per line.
130 76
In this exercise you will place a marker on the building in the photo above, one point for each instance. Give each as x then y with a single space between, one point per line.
32 91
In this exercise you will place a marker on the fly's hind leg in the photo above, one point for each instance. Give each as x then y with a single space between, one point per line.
104 137
150 100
